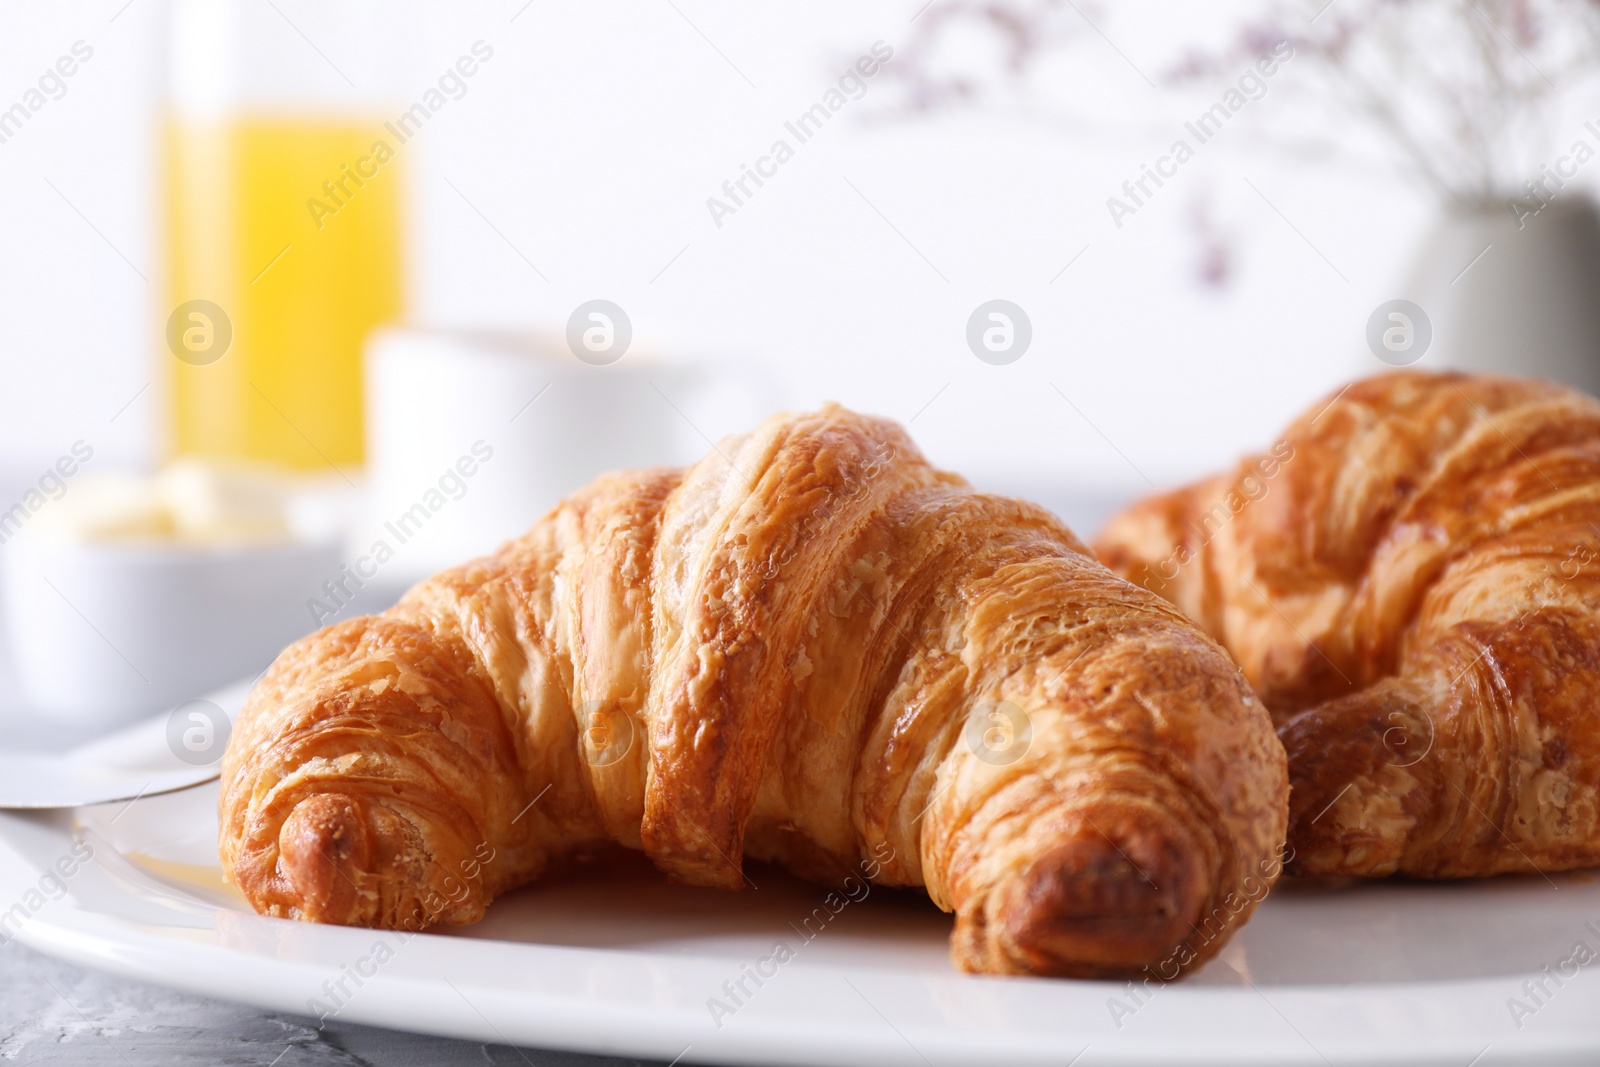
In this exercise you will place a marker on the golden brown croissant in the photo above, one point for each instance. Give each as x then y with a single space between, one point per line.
810 648
1410 579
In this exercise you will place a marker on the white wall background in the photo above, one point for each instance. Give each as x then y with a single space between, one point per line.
593 140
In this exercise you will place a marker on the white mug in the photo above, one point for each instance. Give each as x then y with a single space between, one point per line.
472 436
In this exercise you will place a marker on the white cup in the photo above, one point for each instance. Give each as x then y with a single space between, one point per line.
471 437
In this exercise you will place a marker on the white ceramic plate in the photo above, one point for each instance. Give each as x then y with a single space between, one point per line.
619 962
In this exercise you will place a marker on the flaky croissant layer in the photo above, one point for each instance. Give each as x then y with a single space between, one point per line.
1411 581
810 648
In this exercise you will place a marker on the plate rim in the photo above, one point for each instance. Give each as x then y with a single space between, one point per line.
1241 1029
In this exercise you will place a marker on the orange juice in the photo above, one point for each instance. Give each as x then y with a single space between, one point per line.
292 228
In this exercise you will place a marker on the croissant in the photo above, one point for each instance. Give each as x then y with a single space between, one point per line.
1410 581
810 649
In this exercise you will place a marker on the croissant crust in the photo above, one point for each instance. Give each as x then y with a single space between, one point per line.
810 649
1410 579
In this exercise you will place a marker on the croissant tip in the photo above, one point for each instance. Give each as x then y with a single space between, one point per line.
323 848
1093 907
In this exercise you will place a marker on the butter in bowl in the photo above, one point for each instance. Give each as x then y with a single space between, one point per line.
133 593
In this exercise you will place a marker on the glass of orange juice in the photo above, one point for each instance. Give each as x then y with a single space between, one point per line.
283 226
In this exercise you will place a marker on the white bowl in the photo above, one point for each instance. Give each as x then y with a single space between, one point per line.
102 632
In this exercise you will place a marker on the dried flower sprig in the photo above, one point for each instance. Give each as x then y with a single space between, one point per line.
1461 90
931 78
